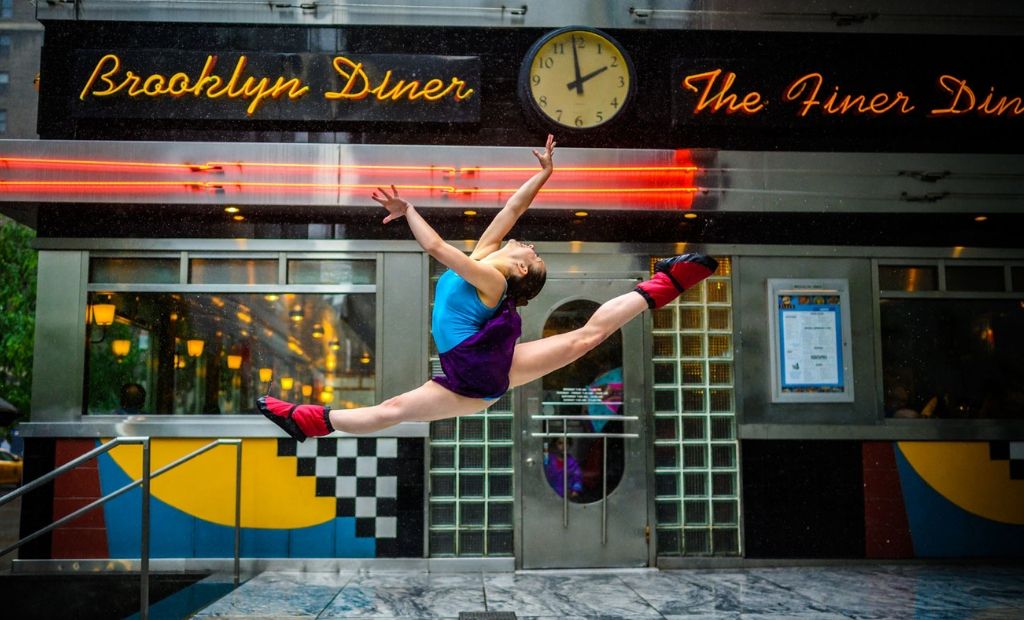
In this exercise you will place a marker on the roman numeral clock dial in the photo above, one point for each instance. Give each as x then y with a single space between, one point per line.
577 78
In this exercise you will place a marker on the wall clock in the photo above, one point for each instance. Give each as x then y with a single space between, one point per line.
577 78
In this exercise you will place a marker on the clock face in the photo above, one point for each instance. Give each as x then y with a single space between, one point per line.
577 78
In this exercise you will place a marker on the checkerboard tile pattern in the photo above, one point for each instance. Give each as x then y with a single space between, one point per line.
376 481
1012 451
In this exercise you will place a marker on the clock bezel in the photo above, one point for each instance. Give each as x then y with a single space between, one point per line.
526 96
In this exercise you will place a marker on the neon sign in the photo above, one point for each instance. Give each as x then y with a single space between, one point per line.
236 86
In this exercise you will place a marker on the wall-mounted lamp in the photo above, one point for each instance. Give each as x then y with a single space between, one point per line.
195 347
307 390
234 362
266 374
121 347
318 331
103 314
335 345
365 357
326 396
296 314
287 383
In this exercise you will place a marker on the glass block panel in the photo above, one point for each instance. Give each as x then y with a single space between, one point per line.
471 457
443 430
666 457
502 405
471 542
693 373
908 278
727 541
720 373
691 318
499 429
442 543
693 295
500 485
691 345
988 279
696 542
666 485
471 485
719 318
442 485
722 427
664 346
695 512
442 457
471 514
724 512
232 271
693 401
500 542
667 513
695 484
664 318
723 455
135 270
499 514
442 514
724 266
471 429
499 457
723 484
721 401
719 292
694 428
695 456
668 542
665 401
665 372
665 428
719 345
332 272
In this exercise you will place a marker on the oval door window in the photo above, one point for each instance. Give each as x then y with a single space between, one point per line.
590 388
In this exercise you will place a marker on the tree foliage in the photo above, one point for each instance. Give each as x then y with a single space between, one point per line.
17 313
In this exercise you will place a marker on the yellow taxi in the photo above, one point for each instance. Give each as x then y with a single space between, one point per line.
11 467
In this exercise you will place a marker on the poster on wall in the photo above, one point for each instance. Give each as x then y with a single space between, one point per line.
810 341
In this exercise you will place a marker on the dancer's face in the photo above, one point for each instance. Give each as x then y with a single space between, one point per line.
524 253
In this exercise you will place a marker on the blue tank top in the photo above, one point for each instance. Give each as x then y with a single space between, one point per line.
458 312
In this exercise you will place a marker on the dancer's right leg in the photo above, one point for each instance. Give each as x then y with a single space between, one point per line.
426 403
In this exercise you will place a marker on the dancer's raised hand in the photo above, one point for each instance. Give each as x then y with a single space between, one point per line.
396 206
545 158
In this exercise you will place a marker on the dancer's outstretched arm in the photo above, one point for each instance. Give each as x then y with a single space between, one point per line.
485 278
517 204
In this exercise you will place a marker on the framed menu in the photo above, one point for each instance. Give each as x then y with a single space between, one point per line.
809 324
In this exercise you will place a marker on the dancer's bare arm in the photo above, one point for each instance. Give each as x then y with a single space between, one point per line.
517 204
485 278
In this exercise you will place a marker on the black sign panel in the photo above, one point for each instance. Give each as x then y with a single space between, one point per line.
239 86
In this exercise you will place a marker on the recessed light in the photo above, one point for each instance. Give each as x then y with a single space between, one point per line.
690 216
581 214
469 212
231 209
238 218
981 218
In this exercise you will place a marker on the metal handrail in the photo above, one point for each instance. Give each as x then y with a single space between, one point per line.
147 476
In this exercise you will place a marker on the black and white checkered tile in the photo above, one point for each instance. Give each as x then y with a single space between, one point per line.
1012 451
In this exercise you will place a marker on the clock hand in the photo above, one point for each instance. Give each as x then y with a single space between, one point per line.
578 82
576 66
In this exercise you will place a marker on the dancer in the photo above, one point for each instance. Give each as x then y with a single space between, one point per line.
475 323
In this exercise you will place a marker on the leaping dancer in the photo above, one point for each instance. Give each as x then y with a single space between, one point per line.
475 323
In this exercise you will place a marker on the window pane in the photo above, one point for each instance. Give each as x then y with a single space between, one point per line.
953 358
134 270
1017 274
332 272
975 279
220 271
897 278
215 354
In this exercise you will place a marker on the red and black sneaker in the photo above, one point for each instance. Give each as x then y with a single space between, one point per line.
674 275
299 421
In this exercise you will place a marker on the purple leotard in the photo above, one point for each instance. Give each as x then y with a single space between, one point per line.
478 366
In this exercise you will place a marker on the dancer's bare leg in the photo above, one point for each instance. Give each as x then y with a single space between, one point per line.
533 360
426 403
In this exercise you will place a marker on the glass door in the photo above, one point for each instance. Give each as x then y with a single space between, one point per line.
583 496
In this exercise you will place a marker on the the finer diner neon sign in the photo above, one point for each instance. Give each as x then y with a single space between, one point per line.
809 94
357 83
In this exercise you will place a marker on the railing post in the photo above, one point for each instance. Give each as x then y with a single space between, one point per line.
238 508
144 543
